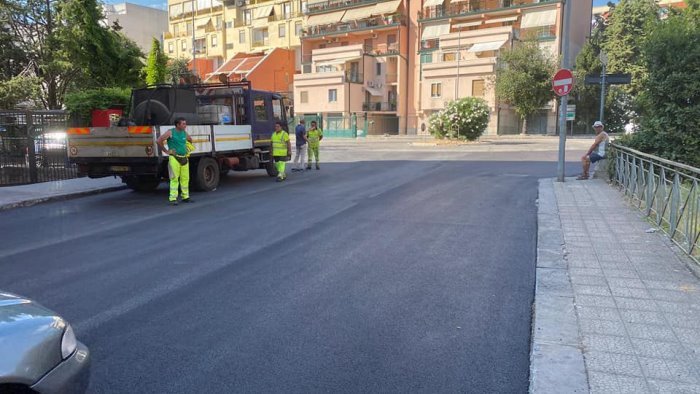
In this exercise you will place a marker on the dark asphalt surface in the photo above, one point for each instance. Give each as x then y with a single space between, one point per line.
372 276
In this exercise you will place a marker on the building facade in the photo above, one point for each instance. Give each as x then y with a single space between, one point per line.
139 23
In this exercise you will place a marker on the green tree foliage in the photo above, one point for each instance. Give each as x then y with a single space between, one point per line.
176 69
156 65
465 118
81 103
18 90
670 123
524 79
630 23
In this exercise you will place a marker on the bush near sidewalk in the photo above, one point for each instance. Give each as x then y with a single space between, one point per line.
466 118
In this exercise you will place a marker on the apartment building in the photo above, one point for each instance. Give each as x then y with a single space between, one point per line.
460 41
234 39
354 64
139 23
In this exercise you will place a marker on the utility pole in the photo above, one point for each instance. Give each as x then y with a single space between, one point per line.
194 52
604 60
565 98
459 55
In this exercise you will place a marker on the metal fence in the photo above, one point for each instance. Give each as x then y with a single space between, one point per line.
33 147
666 191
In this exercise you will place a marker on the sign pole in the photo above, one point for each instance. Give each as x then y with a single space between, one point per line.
564 98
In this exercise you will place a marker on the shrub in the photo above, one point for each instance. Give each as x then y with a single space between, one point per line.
466 118
81 103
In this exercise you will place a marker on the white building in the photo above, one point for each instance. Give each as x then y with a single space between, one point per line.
139 23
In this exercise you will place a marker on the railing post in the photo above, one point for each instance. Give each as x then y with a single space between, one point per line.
675 201
661 202
691 217
650 188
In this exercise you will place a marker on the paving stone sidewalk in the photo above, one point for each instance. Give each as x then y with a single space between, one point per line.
617 310
26 195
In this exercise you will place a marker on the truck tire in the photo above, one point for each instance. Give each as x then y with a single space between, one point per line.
207 174
142 183
271 169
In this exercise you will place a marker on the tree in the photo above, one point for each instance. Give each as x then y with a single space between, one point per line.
156 65
465 118
629 24
670 123
523 79
176 69
18 90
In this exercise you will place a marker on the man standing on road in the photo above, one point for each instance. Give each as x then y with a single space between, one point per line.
300 132
314 135
281 149
178 162
597 150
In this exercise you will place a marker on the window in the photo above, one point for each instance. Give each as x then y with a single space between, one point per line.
218 22
426 58
214 41
241 37
183 45
478 88
436 90
247 17
176 29
287 10
304 97
282 30
391 38
297 28
189 29
260 109
332 95
170 47
229 24
277 109
449 57
229 46
379 69
303 6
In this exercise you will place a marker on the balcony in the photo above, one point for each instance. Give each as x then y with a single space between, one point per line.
379 106
332 5
430 45
188 14
261 43
383 49
474 7
373 23
281 17
200 50
354 77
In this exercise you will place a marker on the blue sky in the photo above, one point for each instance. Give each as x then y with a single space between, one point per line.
162 4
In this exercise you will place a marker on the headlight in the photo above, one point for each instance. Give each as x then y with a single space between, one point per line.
68 343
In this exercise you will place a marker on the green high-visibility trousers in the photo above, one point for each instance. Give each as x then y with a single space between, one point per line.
313 152
179 178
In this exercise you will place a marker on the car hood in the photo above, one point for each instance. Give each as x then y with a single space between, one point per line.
30 339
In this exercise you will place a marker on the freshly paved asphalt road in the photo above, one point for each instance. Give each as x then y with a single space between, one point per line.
381 274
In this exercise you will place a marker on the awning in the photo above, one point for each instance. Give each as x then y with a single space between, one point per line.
262 12
354 14
433 3
203 23
467 24
434 31
487 46
498 20
373 91
539 18
387 7
325 19
337 61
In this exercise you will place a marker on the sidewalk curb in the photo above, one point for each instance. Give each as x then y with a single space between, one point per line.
60 197
556 355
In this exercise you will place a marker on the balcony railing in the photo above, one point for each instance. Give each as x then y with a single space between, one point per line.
200 50
364 24
354 77
430 44
261 43
330 5
379 106
473 7
382 49
391 78
204 11
282 17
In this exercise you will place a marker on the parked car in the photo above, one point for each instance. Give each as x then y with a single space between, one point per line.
38 350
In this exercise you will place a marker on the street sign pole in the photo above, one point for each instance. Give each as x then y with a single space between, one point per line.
602 95
564 99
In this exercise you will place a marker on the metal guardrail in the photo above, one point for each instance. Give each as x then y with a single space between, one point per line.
666 191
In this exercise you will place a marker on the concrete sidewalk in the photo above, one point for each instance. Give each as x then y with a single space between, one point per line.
617 310
27 195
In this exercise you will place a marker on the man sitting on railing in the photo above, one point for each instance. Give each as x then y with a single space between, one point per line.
597 150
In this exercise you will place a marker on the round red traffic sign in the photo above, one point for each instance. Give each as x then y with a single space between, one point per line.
562 82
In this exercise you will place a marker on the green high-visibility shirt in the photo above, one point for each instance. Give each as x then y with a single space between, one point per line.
314 136
279 143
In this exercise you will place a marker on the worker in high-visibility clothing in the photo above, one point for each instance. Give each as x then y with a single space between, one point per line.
281 149
179 148
314 135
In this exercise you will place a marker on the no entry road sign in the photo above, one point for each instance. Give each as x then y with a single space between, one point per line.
562 82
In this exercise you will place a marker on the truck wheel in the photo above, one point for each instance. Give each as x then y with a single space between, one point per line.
271 169
142 183
207 174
